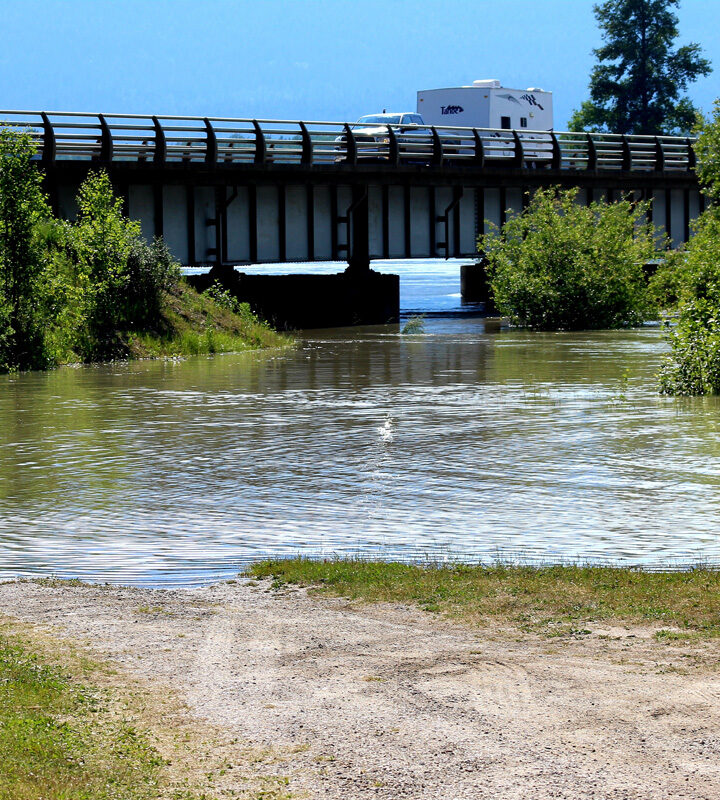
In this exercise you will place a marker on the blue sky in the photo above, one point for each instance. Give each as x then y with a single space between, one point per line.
309 59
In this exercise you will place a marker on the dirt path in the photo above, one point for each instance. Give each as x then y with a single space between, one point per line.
383 702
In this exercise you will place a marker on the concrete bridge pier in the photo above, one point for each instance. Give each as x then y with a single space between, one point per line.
474 285
357 296
359 232
291 302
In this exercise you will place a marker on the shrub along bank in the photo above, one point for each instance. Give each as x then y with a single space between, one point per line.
689 283
564 266
94 289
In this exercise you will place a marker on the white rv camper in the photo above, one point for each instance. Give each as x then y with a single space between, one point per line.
487 104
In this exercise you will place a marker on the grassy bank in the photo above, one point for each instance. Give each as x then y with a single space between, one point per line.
59 738
94 289
72 728
193 324
556 600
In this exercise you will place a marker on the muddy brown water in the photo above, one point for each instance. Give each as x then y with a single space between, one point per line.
455 444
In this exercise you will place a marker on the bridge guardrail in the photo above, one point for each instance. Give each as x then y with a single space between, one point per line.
105 138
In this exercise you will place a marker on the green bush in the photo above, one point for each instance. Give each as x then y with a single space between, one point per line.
690 280
6 336
222 296
94 289
71 291
707 150
23 207
693 271
225 299
151 271
101 241
693 367
564 266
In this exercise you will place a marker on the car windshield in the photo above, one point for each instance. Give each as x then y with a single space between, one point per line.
385 119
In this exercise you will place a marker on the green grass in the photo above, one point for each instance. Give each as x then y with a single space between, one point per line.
193 324
58 741
74 728
555 600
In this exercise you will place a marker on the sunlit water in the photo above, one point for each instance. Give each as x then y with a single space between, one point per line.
455 444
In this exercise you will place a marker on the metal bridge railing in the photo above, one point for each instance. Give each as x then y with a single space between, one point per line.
105 138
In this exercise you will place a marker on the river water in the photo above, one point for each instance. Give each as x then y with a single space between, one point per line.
460 443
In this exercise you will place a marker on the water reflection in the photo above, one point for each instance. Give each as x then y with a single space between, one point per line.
453 444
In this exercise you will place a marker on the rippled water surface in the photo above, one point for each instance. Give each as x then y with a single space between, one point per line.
459 443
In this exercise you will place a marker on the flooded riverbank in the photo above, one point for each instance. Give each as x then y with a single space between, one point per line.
455 444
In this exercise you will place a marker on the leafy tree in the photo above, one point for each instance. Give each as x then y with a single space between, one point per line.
707 149
690 280
637 83
103 240
23 207
94 289
693 366
562 265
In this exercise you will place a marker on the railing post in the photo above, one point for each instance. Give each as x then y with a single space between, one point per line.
659 155
106 141
260 144
556 162
692 160
160 144
519 156
211 145
591 154
626 155
49 142
479 158
437 158
393 147
307 145
350 146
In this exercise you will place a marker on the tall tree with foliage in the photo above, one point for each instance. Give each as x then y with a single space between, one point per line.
23 207
689 280
707 150
637 85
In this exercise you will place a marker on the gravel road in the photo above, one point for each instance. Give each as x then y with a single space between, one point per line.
390 702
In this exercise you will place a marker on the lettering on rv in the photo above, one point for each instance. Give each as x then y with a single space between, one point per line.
451 109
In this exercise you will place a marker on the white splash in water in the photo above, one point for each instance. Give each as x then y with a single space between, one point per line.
386 429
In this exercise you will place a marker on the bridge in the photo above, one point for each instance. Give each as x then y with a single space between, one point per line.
230 191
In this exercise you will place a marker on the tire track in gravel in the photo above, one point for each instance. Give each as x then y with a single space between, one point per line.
391 703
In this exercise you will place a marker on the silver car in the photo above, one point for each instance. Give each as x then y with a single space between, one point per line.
372 139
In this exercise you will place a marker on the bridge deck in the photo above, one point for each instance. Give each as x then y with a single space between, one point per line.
234 191
213 141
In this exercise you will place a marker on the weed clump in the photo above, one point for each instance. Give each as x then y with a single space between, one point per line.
415 324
